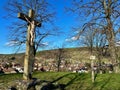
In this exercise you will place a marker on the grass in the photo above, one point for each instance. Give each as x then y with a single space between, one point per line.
72 81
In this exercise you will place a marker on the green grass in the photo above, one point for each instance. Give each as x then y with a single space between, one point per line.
72 81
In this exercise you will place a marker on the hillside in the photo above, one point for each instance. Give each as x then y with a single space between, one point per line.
80 54
73 55
69 53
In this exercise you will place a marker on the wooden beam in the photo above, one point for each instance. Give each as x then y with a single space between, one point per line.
23 17
38 24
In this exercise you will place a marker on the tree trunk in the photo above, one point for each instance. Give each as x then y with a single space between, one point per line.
110 34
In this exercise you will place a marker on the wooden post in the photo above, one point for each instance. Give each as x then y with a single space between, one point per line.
29 55
92 68
92 73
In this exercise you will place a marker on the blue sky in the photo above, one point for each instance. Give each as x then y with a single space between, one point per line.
64 20
3 30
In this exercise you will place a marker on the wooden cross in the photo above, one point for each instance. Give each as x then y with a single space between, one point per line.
29 55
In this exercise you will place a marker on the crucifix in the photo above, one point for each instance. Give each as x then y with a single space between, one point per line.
29 54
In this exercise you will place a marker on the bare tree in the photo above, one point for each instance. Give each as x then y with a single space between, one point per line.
43 14
105 15
18 28
60 56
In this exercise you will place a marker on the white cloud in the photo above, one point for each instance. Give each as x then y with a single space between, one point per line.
74 38
77 31
117 43
11 43
44 44
67 40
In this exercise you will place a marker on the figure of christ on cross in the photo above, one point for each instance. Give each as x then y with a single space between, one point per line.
32 32
29 55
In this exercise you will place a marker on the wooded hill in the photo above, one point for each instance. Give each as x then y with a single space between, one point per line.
73 55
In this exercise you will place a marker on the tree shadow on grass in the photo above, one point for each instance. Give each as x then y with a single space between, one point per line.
72 79
52 86
36 84
105 82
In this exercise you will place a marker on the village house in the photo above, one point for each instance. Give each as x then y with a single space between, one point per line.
6 68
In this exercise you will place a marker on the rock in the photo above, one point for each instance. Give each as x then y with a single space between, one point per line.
32 84
47 86
35 84
51 86
24 84
12 88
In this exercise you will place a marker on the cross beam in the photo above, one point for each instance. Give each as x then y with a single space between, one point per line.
25 17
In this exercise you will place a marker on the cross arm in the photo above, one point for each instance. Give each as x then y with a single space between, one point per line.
23 17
